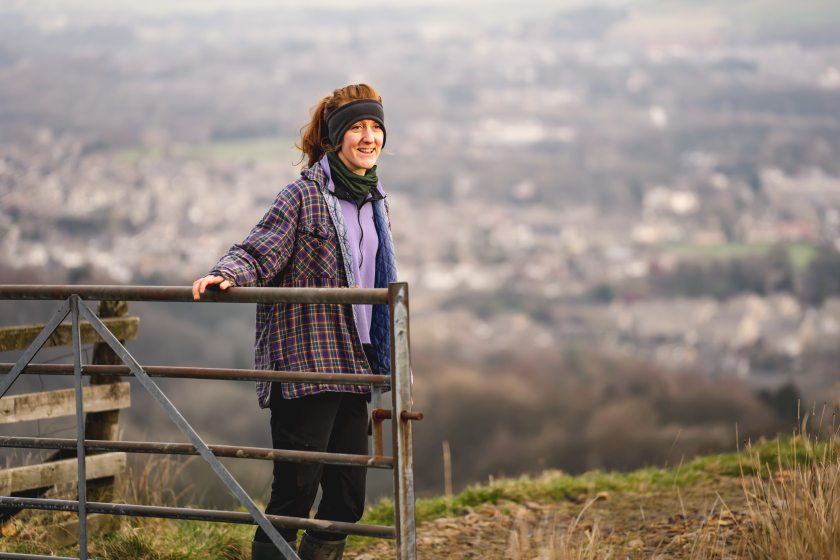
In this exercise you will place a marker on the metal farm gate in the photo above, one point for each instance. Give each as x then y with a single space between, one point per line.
73 303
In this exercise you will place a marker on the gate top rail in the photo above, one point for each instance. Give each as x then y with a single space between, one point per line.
184 293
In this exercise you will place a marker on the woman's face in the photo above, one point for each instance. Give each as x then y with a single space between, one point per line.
361 146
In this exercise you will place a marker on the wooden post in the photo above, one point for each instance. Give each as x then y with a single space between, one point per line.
105 425
447 475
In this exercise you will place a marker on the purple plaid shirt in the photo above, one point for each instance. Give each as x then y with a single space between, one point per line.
302 242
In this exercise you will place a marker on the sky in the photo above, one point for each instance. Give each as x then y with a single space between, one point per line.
163 7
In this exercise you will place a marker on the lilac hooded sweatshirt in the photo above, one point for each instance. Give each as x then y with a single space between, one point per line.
364 242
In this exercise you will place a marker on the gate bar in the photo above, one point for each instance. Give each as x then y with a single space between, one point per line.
289 455
17 556
221 471
238 517
218 374
182 293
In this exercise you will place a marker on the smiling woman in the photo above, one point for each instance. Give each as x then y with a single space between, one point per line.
329 228
361 146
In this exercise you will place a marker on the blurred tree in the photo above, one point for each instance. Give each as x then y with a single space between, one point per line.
784 401
722 278
603 293
822 277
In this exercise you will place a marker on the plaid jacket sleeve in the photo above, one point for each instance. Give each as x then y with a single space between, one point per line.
267 248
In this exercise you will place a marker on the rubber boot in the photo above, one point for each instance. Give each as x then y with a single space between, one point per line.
267 551
316 549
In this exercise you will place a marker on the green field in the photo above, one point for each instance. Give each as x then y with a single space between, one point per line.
800 254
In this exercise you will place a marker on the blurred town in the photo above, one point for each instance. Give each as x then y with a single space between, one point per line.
658 184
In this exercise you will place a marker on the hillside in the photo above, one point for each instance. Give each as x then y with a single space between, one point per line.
717 506
776 496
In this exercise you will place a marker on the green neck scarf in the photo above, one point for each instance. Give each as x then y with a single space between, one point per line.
357 186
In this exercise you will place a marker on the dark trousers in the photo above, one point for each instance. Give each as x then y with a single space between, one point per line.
334 422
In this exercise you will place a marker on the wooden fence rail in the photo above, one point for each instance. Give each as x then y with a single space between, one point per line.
21 336
62 402
103 399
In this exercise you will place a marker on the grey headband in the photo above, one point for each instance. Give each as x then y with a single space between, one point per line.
345 116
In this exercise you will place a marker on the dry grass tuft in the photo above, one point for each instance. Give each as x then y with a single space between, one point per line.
154 482
794 513
579 541
790 511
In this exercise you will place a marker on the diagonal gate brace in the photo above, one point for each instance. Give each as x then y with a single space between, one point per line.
36 345
232 485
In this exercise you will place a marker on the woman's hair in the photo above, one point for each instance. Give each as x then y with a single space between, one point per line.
314 136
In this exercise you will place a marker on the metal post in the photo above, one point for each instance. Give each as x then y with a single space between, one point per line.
221 471
375 396
80 428
401 424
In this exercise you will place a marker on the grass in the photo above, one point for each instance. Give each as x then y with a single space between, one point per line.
796 512
801 255
556 485
792 487
138 539
792 493
792 511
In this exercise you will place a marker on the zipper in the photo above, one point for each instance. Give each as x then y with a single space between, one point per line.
361 229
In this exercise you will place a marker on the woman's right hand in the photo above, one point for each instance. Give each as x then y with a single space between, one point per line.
201 284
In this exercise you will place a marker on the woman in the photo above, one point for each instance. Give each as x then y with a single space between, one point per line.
329 228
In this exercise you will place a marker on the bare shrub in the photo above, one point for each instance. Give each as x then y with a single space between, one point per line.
594 412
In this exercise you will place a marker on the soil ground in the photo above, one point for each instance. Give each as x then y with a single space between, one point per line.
676 523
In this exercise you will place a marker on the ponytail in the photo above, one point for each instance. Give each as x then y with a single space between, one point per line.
314 140
314 136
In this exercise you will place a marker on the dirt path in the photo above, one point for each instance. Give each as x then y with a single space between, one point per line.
698 522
